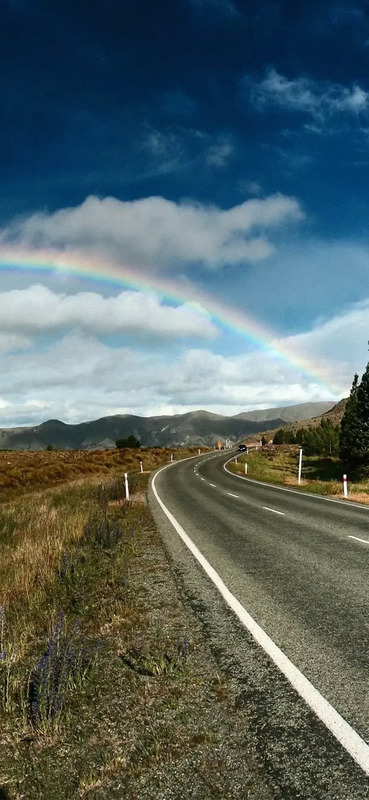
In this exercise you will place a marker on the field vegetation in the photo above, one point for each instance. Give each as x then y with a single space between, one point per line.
25 470
103 667
320 474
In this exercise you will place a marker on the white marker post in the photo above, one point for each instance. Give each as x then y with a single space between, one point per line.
245 467
199 451
345 485
235 460
141 466
171 456
126 485
300 467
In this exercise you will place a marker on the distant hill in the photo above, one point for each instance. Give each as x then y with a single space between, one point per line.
194 428
334 414
200 428
287 413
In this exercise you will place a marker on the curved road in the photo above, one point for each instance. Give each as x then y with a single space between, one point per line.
298 564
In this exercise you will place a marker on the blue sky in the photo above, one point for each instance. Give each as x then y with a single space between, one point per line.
221 146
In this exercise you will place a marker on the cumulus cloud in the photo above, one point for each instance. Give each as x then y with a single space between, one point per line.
156 233
337 344
318 99
38 310
79 377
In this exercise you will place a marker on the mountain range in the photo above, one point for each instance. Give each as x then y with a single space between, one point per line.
201 428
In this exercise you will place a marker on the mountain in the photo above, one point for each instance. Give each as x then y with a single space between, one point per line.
287 413
334 415
194 428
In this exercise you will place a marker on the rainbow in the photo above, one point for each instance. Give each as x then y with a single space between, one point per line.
100 269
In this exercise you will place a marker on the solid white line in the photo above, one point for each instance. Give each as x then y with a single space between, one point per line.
346 503
358 540
338 726
233 495
274 511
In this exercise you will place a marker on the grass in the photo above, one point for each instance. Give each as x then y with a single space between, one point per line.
320 475
24 471
103 669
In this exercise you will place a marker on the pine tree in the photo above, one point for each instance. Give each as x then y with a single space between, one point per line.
350 425
362 443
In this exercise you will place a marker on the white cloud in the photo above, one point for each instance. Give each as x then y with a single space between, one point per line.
219 154
38 310
159 233
80 377
319 99
338 345
12 342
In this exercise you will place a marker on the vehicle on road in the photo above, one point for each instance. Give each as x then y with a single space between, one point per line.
242 447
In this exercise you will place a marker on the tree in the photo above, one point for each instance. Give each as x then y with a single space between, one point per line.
349 424
354 438
278 436
130 441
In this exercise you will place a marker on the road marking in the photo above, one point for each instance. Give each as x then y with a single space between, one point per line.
358 540
233 495
341 730
274 511
213 484
346 503
202 478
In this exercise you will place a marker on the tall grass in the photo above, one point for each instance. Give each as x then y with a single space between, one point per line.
320 475
51 581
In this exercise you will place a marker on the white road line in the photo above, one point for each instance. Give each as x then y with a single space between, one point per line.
233 495
202 478
359 540
274 511
346 503
213 484
341 730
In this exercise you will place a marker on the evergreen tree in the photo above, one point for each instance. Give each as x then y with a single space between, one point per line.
362 443
130 441
279 436
350 425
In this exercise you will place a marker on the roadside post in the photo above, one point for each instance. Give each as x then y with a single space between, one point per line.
345 485
300 467
245 467
126 485
141 466
171 456
199 451
235 460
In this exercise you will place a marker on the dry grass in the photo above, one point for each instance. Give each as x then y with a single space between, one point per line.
320 475
21 471
135 721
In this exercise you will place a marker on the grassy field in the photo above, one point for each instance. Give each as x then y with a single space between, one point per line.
103 667
320 475
23 471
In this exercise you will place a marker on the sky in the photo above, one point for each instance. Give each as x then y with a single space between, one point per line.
184 207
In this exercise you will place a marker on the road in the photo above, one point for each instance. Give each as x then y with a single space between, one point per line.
298 564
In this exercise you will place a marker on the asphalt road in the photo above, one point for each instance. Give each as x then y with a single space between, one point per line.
302 573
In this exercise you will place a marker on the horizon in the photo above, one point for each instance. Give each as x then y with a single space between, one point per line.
183 220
